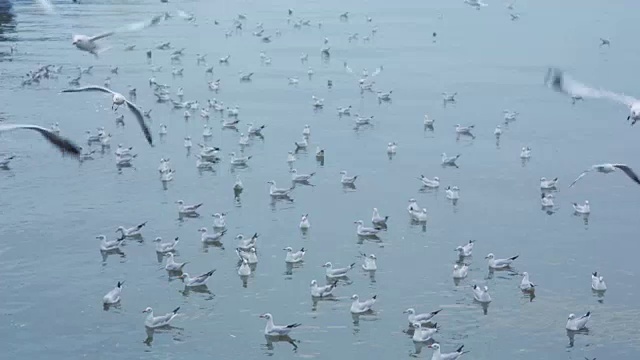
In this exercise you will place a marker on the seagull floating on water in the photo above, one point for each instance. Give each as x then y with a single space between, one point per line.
159 321
437 355
358 307
526 284
481 294
294 257
500 263
113 296
582 209
421 333
167 247
597 282
332 273
200 280
460 271
420 318
465 250
276 330
322 291
577 324
172 265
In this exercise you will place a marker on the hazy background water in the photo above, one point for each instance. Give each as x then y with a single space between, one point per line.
52 208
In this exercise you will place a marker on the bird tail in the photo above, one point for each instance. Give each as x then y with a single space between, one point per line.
175 311
595 274
513 258
211 272
352 265
375 297
436 312
302 250
291 326
460 349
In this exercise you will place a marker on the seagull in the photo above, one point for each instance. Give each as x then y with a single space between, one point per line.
376 219
420 318
200 280
276 330
164 248
131 232
475 3
322 291
113 296
418 215
306 131
582 209
449 161
604 42
274 191
465 130
244 269
291 158
365 231
119 99
187 209
159 321
450 356
428 121
88 43
597 282
255 131
369 262
210 238
481 294
65 145
5 160
500 263
239 160
509 115
429 183
304 222
347 180
547 200
548 184
605 169
561 82
577 324
358 307
294 257
422 334
497 132
465 250
332 273
106 245
171 265
525 284
449 97
250 255
525 153
460 271
452 193
219 221
392 147
295 177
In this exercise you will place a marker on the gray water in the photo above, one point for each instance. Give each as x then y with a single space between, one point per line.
54 277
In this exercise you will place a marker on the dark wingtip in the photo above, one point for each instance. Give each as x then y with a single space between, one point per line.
120 283
436 312
352 265
588 313
595 273
515 257
375 297
302 249
460 348
176 310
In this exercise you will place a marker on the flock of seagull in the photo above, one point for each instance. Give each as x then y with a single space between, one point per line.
420 324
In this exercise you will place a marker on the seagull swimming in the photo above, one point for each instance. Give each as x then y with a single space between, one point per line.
65 145
276 330
526 284
167 247
429 183
525 153
207 237
187 209
159 321
244 269
358 307
322 291
119 99
304 222
548 184
421 333
294 257
132 232
437 355
449 161
361 230
369 262
582 209
295 177
332 273
500 263
172 265
481 294
376 219
200 280
466 249
597 282
106 245
460 271
281 192
420 318
547 200
113 296
608 168
347 180
577 324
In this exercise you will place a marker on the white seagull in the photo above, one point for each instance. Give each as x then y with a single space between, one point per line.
172 265
369 262
117 100
597 282
304 222
449 161
609 168
322 291
429 183
526 284
582 209
500 263
347 180
548 184
159 321
276 330
113 296
481 294
460 271
437 355
358 307
336 273
131 232
294 257
187 209
420 318
421 333
165 247
577 324
200 280
466 249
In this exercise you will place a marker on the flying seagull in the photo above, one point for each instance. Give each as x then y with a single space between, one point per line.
63 144
609 168
119 99
559 81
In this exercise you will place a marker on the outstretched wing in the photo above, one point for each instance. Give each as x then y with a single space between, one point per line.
140 117
627 170
558 80
100 36
89 88
580 177
63 144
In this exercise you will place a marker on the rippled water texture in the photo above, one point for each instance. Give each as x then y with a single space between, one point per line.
51 209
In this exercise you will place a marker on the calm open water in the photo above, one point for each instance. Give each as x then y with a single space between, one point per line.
53 276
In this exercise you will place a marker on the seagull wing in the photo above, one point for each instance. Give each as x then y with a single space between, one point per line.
627 170
100 36
89 88
63 144
580 177
558 80
143 125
